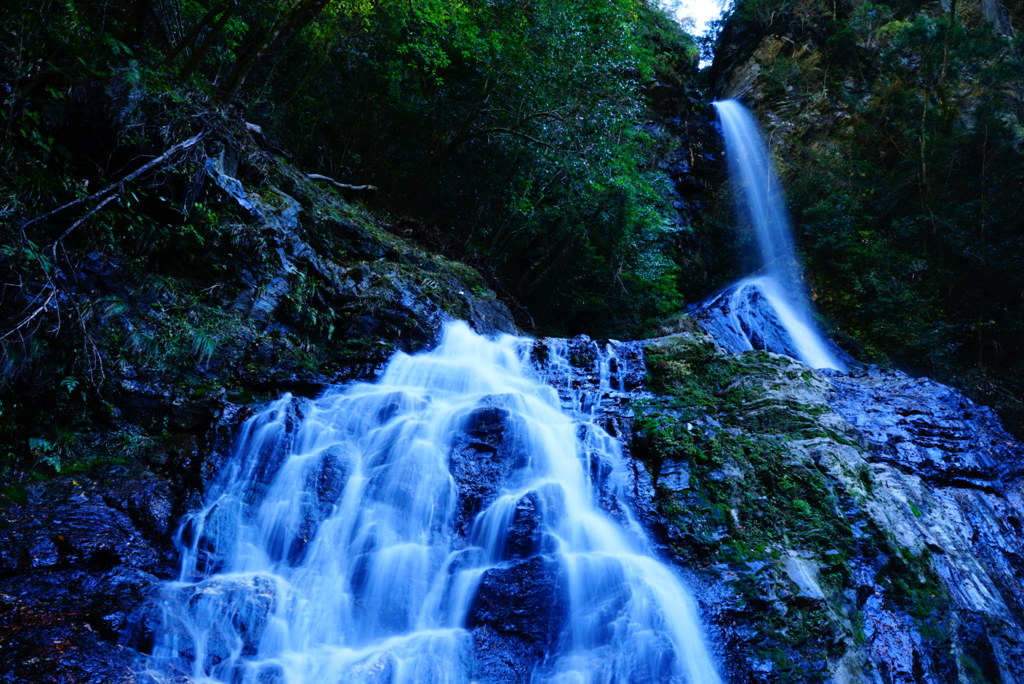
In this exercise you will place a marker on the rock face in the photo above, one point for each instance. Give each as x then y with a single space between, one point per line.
952 478
860 527
77 557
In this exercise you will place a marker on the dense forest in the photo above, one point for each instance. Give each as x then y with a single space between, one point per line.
516 137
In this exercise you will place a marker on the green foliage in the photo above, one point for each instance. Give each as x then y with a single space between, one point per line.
514 133
517 133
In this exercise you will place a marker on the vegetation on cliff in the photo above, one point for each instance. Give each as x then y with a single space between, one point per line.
179 184
838 517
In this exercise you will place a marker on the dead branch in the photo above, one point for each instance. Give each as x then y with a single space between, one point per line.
117 186
107 200
28 319
343 186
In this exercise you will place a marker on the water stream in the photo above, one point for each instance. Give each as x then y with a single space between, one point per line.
770 310
364 537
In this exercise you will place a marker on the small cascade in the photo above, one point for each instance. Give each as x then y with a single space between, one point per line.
771 310
459 520
755 313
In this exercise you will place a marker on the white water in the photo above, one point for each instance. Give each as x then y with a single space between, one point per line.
329 549
778 291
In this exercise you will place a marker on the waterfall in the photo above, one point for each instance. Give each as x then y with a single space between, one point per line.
393 532
769 311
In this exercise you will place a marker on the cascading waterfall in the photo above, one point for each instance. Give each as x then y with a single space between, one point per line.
338 545
769 311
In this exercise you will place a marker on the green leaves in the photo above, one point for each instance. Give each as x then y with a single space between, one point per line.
515 128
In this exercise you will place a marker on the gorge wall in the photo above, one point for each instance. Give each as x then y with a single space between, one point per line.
847 527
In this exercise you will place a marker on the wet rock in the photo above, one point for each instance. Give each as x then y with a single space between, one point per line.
488 449
514 618
926 429
524 537
803 573
239 606
46 647
927 491
324 485
77 558
674 476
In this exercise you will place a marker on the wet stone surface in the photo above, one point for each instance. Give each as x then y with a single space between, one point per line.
77 558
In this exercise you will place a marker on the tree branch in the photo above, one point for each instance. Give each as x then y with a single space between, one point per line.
117 186
343 186
520 134
25 321
80 221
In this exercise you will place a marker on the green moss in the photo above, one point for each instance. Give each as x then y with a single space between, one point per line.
970 668
916 587
753 496
14 493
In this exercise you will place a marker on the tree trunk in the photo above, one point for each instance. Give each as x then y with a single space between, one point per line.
197 54
302 12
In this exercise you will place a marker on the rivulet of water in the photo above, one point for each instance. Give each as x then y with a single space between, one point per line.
757 309
337 544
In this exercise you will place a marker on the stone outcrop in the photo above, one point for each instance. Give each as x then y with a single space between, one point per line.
77 557
859 527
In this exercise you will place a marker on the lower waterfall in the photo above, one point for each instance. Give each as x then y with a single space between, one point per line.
342 543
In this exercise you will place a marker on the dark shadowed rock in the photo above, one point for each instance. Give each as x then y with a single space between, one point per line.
482 455
515 618
77 558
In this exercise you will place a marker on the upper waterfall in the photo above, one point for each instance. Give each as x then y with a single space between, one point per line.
770 311
441 525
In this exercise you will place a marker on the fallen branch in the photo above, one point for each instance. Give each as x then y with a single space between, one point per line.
343 186
117 186
28 319
107 200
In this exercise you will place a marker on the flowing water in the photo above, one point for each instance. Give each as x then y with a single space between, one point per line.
771 310
338 545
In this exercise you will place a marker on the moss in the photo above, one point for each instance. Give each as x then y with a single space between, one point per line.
970 668
753 496
690 369
916 587
14 493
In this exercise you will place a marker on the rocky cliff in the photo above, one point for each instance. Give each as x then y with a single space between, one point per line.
296 289
849 527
